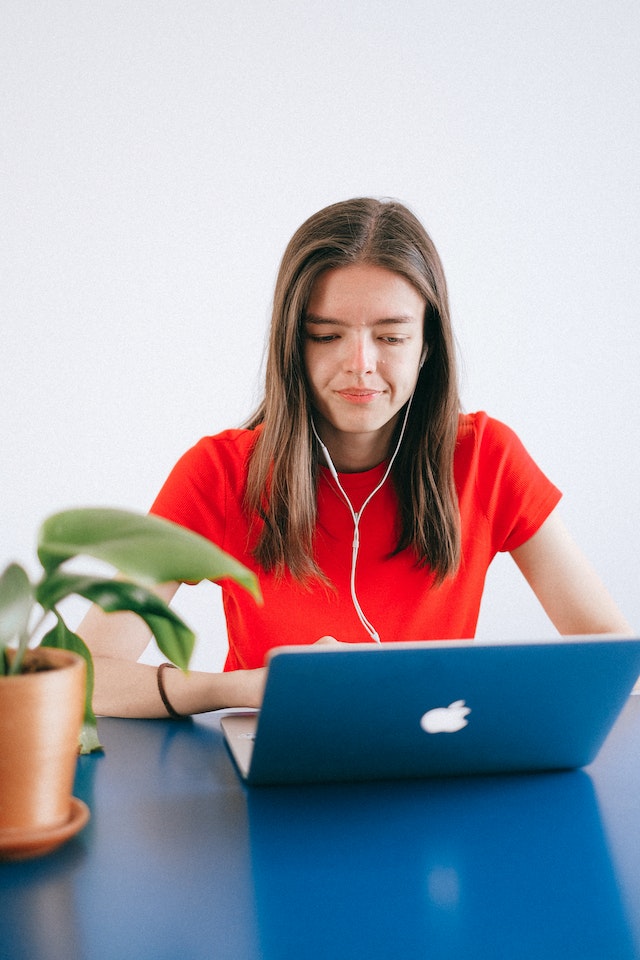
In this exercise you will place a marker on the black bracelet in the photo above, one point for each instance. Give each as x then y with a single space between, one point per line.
165 699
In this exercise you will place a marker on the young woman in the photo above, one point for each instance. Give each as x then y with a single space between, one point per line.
368 505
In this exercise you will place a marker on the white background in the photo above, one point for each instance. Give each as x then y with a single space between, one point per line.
156 155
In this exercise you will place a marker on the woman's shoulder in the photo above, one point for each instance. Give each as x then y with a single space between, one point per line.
235 443
486 438
228 451
479 426
489 448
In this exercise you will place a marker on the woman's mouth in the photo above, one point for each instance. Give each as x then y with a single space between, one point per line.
358 395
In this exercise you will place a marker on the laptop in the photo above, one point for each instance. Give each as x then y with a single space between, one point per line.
432 708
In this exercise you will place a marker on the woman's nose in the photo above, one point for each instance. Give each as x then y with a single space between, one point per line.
361 356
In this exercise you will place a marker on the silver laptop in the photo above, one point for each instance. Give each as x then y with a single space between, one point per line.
399 710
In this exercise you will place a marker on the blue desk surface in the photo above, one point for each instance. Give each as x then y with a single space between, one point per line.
180 861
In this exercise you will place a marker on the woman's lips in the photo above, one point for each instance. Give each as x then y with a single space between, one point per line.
355 395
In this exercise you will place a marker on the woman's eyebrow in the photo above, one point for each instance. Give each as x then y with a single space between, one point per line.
313 318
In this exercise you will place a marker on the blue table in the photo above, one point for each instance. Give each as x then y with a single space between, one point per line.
180 861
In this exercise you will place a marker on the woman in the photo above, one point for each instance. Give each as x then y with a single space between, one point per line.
369 507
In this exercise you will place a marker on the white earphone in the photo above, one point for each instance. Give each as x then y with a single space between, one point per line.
356 515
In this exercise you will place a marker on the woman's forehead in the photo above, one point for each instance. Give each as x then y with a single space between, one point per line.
364 293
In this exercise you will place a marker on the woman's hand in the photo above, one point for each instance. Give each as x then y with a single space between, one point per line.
330 642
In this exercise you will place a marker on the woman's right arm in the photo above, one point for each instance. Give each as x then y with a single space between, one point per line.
125 688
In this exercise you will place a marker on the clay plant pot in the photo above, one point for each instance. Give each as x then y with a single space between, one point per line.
41 714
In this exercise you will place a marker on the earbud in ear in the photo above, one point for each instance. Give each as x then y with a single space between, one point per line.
423 357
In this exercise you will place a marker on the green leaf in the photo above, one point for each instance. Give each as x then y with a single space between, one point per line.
173 636
16 600
174 640
62 638
16 603
141 546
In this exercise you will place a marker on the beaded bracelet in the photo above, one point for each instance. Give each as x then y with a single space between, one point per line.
165 699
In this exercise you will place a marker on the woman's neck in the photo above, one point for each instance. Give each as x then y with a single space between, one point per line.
357 452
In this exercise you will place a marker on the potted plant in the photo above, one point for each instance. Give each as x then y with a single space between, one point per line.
46 681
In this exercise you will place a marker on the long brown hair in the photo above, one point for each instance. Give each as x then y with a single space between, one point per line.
282 477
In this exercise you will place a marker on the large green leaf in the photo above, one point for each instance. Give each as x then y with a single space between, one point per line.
141 546
174 640
16 603
62 638
173 636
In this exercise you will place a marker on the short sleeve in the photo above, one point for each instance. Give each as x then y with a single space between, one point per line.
515 494
204 491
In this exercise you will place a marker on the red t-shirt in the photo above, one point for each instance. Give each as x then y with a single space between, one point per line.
504 498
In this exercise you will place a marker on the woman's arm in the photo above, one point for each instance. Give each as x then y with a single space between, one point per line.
565 583
125 688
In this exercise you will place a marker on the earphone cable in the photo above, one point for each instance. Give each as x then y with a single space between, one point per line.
366 623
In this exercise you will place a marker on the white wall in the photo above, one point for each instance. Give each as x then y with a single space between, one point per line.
157 154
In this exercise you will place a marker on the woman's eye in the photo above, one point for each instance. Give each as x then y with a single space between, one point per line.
319 338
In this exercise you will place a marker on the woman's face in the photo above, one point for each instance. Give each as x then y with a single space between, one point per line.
363 345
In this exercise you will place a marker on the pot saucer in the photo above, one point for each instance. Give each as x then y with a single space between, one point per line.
25 844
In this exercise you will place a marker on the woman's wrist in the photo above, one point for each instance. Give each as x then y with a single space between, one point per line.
199 692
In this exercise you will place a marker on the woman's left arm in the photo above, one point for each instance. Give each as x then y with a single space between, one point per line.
565 583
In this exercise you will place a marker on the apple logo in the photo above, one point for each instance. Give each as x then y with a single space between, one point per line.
446 719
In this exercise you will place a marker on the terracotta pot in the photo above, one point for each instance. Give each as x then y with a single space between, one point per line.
41 716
